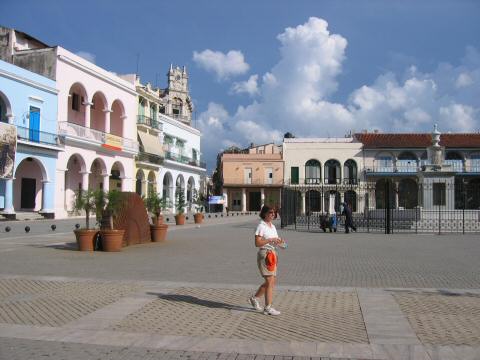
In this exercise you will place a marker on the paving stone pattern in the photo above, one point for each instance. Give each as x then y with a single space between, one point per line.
224 313
54 303
20 349
452 319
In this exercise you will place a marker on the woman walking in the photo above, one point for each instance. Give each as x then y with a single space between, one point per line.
267 240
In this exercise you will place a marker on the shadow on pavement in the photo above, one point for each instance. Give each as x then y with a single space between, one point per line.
202 302
72 246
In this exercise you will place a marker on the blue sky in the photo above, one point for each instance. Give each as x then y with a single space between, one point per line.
261 68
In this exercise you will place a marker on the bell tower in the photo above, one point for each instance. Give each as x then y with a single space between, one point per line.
180 104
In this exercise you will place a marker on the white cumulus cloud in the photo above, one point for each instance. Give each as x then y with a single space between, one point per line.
249 87
222 65
295 95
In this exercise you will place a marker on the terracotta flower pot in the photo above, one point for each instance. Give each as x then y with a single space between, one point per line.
158 232
180 219
112 240
85 239
198 217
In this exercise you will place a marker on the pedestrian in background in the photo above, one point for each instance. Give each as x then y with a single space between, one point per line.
267 240
347 211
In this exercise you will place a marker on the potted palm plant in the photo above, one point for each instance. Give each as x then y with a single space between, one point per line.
110 203
85 202
180 207
199 204
155 205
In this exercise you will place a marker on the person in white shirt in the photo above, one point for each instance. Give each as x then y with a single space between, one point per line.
267 240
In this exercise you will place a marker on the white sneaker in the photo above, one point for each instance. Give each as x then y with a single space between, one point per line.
269 310
255 304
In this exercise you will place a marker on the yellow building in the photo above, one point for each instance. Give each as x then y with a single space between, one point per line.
253 177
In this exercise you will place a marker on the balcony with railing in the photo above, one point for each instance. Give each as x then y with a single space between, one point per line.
148 121
181 157
235 181
149 158
327 182
83 134
39 137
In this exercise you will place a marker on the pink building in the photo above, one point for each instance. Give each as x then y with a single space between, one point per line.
96 116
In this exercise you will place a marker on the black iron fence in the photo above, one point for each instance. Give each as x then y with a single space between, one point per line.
387 205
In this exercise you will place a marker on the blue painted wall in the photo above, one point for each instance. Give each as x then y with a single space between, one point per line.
21 89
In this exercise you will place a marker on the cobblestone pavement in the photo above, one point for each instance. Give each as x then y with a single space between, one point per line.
54 303
225 254
307 316
342 297
19 349
443 318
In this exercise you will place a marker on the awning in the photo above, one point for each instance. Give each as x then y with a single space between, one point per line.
151 144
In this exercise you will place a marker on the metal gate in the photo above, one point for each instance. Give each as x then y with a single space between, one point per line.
387 205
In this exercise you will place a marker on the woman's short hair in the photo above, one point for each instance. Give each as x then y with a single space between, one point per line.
265 210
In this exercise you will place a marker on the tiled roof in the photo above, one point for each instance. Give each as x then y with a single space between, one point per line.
372 140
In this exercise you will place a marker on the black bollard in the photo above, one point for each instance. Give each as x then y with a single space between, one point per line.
53 227
27 229
77 226
8 228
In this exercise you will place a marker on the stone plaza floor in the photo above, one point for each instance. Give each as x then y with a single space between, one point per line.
355 296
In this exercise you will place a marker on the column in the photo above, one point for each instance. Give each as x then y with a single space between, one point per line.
262 196
123 117
87 113
106 182
85 180
303 202
225 198
8 209
244 200
125 185
48 192
107 120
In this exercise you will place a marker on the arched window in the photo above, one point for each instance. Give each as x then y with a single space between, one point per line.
312 172
332 172
384 193
384 163
350 172
475 163
454 159
177 107
407 194
407 162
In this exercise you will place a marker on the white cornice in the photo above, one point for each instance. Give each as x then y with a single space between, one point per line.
179 124
97 74
28 82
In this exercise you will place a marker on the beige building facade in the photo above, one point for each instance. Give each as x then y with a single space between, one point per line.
253 178
325 171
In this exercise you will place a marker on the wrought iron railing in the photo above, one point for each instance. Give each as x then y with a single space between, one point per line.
170 155
149 158
75 131
37 136
148 121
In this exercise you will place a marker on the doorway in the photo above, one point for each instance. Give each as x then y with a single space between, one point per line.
27 200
